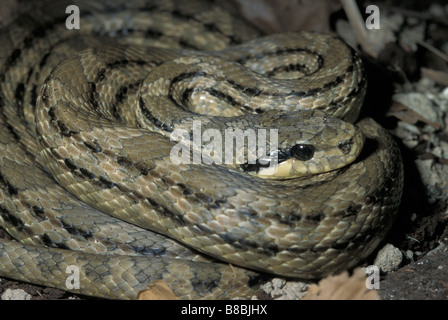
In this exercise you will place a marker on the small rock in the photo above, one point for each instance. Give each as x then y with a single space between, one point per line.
445 92
441 151
388 258
408 133
410 255
444 147
435 179
279 289
16 294
424 85
436 10
293 290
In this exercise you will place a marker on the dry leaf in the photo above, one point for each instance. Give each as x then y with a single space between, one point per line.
342 287
157 290
402 112
289 15
441 77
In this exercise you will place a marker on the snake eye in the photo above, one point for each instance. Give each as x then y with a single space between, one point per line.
303 152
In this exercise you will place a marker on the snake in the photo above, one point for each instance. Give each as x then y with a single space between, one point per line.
87 177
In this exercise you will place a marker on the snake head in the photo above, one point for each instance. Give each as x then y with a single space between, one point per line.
309 142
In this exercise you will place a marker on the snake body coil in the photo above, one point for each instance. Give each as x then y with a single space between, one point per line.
96 128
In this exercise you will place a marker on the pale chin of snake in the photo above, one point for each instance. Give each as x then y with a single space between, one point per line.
87 189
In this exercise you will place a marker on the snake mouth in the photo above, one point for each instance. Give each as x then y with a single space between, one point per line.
301 152
276 171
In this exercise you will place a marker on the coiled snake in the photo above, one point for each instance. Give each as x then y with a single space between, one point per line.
73 134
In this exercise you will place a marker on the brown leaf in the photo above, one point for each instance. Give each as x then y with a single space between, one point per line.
441 77
157 290
342 287
400 111
289 15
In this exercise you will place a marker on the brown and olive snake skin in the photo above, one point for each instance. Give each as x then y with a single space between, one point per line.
73 130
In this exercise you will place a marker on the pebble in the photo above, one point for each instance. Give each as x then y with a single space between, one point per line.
441 151
388 259
410 255
15 294
445 93
436 10
434 177
408 133
279 289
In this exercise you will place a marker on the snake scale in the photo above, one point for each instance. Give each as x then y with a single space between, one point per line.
84 182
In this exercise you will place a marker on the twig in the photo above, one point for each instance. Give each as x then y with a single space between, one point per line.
433 49
355 18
